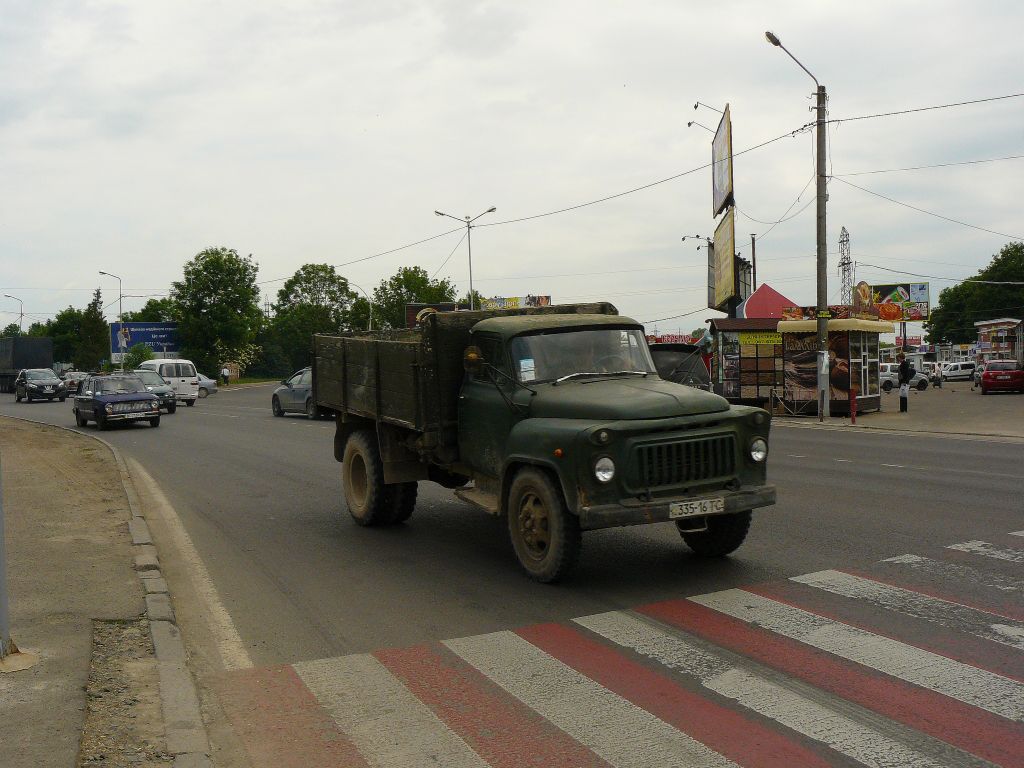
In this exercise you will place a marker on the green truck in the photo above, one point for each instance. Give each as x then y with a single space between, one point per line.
551 417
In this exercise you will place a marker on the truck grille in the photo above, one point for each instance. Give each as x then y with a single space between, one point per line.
683 462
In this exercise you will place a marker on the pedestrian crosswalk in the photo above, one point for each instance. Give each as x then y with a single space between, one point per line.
917 660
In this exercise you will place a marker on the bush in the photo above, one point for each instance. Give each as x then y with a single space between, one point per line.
136 355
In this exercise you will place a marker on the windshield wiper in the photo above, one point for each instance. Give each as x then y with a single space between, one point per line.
598 373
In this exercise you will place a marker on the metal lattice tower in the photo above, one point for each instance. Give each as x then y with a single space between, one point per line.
845 268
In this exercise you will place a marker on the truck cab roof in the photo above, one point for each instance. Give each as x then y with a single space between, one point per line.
514 325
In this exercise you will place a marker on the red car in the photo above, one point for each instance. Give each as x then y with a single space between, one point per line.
1002 376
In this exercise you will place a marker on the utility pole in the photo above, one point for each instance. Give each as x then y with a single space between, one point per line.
753 263
822 257
120 317
21 309
845 268
469 244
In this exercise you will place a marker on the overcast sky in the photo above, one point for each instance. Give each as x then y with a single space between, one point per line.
136 134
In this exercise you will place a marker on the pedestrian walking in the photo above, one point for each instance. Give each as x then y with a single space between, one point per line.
224 373
903 377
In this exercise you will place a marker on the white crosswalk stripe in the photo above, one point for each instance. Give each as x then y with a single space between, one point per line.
942 612
816 721
622 733
957 574
388 725
990 550
965 683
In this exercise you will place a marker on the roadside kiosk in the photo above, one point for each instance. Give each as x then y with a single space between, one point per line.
853 364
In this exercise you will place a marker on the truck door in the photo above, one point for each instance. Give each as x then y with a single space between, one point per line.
485 419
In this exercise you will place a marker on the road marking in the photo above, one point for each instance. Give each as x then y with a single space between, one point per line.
229 643
388 725
845 461
897 466
581 707
942 612
958 573
797 712
965 683
1017 533
989 550
796 455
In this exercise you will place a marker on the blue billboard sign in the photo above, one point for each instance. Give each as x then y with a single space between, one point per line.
162 338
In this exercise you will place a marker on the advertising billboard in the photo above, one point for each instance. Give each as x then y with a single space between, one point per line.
162 338
901 302
721 164
725 259
515 302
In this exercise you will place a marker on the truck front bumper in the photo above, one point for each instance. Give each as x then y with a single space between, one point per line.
635 512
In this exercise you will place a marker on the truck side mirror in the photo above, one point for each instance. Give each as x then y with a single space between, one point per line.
473 359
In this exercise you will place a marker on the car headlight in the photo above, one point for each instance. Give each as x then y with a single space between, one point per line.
604 469
109 408
758 450
33 386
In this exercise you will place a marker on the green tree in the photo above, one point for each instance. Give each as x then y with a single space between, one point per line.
317 285
136 354
11 330
93 343
66 330
962 305
217 307
153 311
410 285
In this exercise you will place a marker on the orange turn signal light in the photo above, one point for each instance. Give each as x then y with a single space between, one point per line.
558 453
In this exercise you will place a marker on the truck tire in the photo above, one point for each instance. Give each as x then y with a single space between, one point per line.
725 533
545 535
362 473
401 502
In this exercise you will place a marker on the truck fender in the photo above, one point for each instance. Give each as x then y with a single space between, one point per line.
344 426
514 463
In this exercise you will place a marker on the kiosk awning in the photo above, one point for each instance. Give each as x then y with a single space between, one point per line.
850 324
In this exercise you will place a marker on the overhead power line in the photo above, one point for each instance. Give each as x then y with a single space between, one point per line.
924 109
951 279
452 253
936 165
930 213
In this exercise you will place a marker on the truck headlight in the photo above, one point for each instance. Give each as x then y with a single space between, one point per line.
758 450
604 469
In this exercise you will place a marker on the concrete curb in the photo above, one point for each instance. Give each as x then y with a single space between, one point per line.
184 729
845 425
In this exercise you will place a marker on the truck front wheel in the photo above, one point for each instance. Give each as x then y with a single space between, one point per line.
725 533
545 535
368 501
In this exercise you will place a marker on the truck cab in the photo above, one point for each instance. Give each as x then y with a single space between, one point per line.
576 402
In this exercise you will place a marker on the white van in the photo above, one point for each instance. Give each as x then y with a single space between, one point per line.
180 374
953 371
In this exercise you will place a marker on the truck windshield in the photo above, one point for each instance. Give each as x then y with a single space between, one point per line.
552 355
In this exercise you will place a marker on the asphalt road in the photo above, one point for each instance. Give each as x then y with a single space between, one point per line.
261 499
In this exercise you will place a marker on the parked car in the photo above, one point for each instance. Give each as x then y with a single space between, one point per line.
155 383
888 377
295 395
114 397
180 374
1002 376
207 386
958 372
681 363
38 384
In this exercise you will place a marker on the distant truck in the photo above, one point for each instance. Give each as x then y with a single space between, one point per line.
554 418
18 352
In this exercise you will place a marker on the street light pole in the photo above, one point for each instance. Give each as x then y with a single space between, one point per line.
469 244
369 304
21 308
822 259
120 313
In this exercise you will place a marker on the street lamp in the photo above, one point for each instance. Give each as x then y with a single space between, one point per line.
21 308
469 244
120 314
822 260
694 122
369 303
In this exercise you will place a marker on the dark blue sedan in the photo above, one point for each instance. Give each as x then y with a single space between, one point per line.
107 399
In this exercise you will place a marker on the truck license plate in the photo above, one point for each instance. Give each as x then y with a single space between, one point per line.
679 509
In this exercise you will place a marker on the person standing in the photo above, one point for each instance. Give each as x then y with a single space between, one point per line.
224 373
903 377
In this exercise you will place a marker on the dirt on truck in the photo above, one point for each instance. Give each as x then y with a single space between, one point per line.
554 418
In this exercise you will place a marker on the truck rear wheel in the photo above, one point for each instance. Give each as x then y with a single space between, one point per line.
367 497
545 535
725 533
